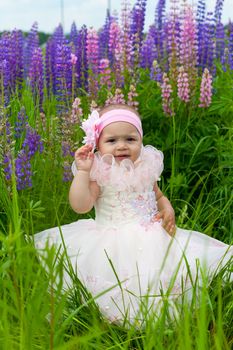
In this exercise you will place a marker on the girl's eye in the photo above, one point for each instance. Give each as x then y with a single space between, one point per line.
111 140
130 139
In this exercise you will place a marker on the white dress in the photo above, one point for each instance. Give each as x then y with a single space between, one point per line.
123 250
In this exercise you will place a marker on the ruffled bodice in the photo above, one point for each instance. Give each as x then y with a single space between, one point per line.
126 187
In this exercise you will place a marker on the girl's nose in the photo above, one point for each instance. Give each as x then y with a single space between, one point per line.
121 144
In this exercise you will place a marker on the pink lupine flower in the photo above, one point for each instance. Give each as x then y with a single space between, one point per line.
115 49
73 59
126 39
114 37
105 71
92 49
132 94
188 42
206 89
76 111
166 95
183 85
93 106
117 98
92 59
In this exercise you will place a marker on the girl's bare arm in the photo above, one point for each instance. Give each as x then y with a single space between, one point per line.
166 211
83 192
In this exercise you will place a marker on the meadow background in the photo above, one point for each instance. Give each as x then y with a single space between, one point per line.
179 76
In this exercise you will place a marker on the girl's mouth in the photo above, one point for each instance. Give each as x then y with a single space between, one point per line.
122 156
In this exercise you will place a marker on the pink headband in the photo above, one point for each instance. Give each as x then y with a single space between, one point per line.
94 125
120 115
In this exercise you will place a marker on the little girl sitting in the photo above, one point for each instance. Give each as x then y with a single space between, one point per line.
132 249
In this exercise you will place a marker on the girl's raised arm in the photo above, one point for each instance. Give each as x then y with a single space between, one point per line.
83 192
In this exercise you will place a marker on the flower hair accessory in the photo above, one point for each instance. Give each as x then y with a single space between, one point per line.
90 128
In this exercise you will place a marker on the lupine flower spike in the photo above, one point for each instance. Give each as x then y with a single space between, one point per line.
183 85
206 89
166 95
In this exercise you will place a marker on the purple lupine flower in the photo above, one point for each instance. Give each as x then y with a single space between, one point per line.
148 50
7 166
137 30
230 46
104 38
16 44
183 85
156 72
137 25
53 52
105 73
206 89
36 75
67 174
31 43
218 10
21 123
92 59
159 23
4 82
66 149
200 17
160 14
23 170
63 73
225 59
74 58
206 45
220 40
166 89
74 36
50 54
32 142
82 64
5 72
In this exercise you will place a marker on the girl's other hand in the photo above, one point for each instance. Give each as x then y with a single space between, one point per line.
168 220
84 158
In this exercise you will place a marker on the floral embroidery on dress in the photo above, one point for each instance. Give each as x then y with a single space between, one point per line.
145 207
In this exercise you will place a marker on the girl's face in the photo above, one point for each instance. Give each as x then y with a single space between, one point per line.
122 140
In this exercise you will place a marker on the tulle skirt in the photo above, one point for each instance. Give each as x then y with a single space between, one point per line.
129 267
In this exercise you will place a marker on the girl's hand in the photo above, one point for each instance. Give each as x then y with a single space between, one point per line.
168 220
84 158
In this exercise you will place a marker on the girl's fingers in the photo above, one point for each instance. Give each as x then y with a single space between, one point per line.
157 217
170 228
